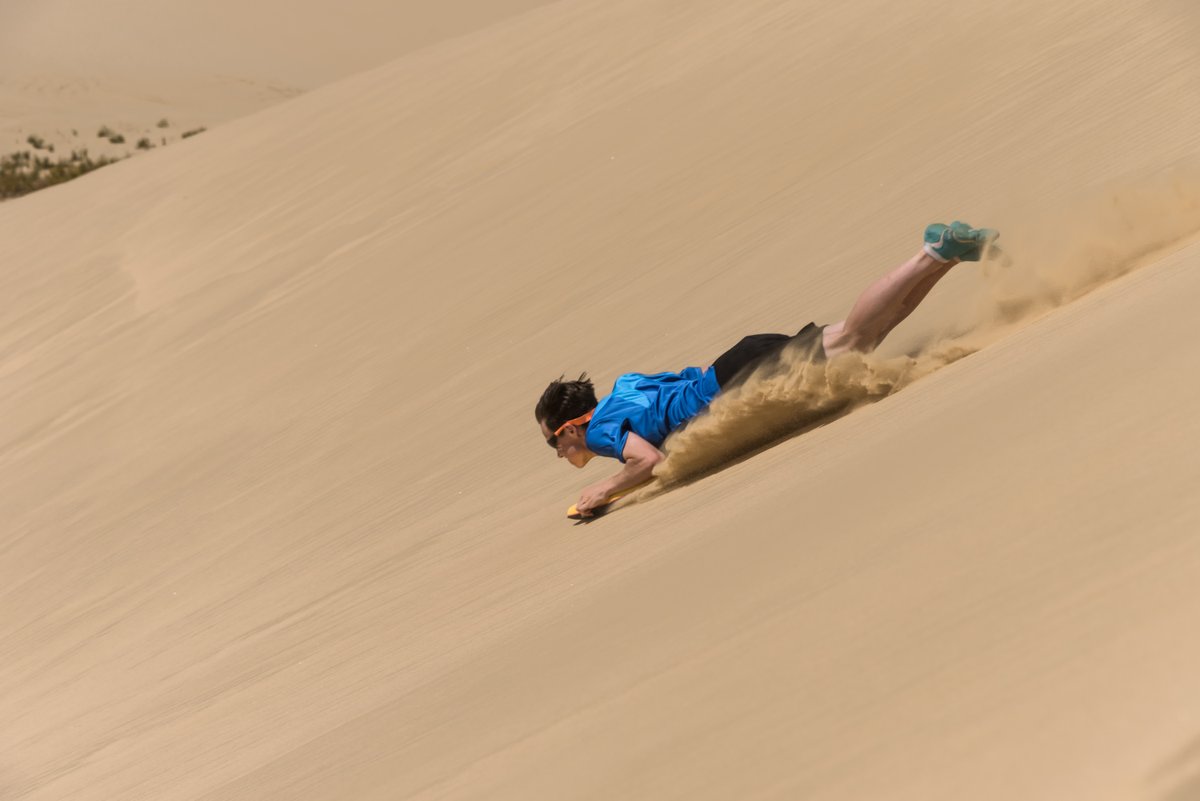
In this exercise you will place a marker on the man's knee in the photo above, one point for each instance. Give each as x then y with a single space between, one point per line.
840 338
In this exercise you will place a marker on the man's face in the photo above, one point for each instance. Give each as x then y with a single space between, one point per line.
570 443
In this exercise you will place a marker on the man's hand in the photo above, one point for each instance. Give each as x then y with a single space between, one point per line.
592 497
640 458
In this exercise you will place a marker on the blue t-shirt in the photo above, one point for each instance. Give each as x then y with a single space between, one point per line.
652 406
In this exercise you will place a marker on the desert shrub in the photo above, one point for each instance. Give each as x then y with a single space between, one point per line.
36 141
21 173
144 144
194 131
105 132
117 139
163 123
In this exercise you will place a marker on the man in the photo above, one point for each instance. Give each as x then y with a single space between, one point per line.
632 421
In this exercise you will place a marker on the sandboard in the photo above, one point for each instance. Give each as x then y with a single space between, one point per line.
574 514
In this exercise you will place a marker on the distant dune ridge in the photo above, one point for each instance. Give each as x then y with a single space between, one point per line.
73 65
276 521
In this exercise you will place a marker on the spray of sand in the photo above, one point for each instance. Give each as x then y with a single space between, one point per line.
1061 254
1055 257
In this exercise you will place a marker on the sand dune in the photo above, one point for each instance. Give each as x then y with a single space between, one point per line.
305 44
277 522
68 67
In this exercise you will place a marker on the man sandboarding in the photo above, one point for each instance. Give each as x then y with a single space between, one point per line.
632 421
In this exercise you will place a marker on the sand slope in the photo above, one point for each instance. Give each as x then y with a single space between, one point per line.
277 523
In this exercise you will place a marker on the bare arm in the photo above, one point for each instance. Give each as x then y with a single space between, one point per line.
640 459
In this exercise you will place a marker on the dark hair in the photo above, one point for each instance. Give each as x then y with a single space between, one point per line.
565 400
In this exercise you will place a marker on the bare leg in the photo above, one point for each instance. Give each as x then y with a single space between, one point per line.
914 298
885 304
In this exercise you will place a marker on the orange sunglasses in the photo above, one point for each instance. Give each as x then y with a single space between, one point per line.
552 440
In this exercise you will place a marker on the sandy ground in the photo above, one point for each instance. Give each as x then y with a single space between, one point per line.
276 520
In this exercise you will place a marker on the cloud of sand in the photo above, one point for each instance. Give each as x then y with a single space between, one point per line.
1056 256
1060 254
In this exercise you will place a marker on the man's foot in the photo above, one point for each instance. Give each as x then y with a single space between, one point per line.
958 241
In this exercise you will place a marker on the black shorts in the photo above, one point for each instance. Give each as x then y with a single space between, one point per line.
735 365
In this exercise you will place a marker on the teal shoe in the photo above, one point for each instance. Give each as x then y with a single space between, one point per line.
958 241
